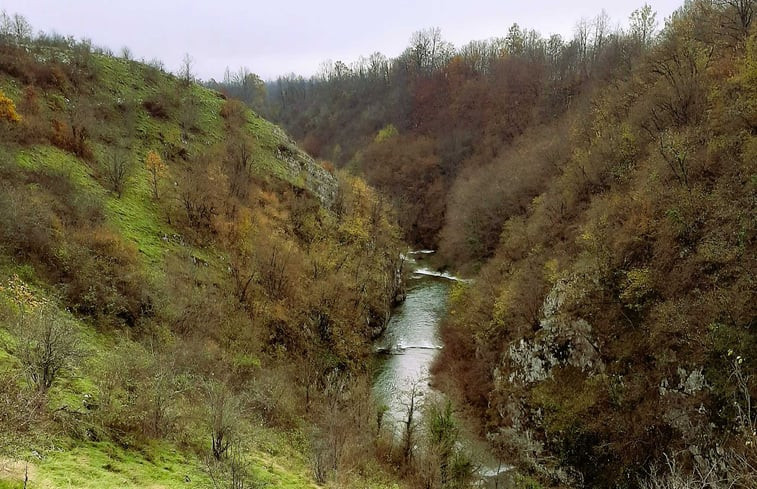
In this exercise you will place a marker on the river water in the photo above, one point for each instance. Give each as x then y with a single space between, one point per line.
411 340
408 347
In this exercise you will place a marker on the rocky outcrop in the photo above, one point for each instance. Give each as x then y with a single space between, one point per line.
303 169
560 341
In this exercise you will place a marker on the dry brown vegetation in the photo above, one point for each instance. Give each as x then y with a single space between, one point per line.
606 324
602 190
204 283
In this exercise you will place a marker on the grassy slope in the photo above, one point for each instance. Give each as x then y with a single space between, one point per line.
57 460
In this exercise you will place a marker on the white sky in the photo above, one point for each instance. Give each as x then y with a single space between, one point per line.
278 37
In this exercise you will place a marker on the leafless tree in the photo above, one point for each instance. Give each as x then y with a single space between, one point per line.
161 392
239 159
186 70
335 418
643 24
223 411
19 407
118 163
741 11
233 472
601 24
273 271
581 39
675 148
14 27
411 404
48 343
428 51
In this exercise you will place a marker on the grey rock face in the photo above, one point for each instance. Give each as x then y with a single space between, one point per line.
302 167
561 341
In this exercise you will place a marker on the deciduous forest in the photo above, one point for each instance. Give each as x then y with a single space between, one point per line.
189 296
600 190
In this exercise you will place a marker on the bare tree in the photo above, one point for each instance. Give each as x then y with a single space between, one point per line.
643 24
428 51
22 29
223 411
233 472
601 24
19 407
186 70
189 114
741 11
675 148
273 268
329 443
160 395
48 343
724 468
705 474
581 39
239 160
746 417
410 402
118 163
14 27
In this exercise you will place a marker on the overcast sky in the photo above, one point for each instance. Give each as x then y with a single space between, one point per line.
283 36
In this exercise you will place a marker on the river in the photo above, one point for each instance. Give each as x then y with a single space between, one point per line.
408 347
411 340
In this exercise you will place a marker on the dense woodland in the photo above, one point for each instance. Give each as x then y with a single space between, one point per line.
430 125
601 192
188 298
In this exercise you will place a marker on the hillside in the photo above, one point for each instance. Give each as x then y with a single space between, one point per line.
187 299
170 265
600 192
615 323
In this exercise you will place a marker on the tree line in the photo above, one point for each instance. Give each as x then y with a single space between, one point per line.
453 108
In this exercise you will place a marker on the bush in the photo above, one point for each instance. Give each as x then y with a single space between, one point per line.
48 344
20 407
235 113
28 227
162 104
8 109
117 167
60 231
100 276
72 138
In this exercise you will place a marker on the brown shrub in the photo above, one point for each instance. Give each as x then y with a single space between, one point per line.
20 408
72 138
235 113
103 279
161 104
156 108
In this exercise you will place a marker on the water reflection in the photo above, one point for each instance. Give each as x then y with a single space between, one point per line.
411 340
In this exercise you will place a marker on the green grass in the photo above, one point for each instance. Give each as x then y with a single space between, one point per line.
51 159
11 89
57 460
106 465
137 217
61 462
275 458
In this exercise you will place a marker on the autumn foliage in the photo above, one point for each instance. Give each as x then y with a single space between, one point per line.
8 109
601 192
618 293
216 273
156 170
